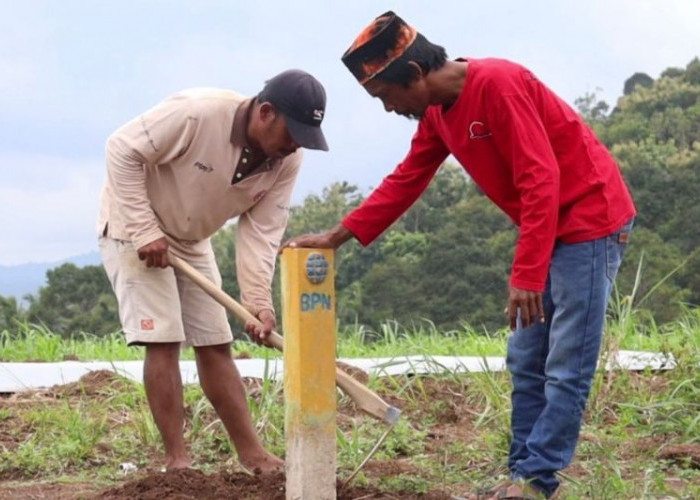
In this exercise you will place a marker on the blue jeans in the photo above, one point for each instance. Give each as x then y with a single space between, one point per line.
552 364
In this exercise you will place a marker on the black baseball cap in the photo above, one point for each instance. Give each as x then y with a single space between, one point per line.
302 101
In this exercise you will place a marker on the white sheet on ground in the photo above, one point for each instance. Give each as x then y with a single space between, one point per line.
15 377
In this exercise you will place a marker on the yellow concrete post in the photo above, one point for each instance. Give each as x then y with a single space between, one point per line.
308 302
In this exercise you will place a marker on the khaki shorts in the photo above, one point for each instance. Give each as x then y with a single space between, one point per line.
162 305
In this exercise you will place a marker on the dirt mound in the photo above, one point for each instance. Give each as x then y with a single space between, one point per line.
93 383
193 484
185 484
682 454
386 468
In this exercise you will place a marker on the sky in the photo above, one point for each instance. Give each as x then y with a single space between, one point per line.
73 71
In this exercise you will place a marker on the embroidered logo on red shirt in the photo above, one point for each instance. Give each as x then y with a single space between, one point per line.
478 130
147 324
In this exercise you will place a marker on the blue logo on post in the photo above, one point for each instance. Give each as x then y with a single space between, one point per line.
316 268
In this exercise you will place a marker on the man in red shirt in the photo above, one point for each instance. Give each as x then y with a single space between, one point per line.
535 158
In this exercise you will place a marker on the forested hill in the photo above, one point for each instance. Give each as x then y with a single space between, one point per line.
448 258
22 279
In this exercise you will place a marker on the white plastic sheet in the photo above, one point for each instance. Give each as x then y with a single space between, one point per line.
15 377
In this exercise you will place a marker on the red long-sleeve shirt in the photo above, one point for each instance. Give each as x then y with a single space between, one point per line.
528 151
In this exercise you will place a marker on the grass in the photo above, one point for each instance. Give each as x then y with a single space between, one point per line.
454 434
28 342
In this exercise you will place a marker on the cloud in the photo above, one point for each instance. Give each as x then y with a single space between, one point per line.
50 215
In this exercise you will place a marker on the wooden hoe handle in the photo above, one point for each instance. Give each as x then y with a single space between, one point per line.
364 398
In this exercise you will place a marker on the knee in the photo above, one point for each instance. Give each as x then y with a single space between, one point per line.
213 352
163 351
516 364
571 392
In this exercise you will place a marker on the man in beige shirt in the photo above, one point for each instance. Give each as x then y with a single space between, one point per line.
175 175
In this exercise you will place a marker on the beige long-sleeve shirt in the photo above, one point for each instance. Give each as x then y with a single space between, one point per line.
171 172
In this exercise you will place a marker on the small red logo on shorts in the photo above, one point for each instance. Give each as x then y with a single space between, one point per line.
146 324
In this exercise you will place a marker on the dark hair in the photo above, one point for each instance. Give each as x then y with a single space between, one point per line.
423 52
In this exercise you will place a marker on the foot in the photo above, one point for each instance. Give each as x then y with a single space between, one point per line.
264 463
177 463
484 493
517 490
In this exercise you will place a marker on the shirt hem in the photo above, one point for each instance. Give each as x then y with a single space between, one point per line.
599 233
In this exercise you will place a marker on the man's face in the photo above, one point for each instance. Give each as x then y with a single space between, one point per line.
410 101
275 140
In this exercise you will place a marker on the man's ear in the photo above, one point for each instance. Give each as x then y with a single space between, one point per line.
416 71
267 112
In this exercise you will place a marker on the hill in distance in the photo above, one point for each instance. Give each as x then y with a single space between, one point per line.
22 279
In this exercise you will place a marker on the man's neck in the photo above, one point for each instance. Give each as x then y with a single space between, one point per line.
446 83
250 127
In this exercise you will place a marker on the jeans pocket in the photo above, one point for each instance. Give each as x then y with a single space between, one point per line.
615 247
613 258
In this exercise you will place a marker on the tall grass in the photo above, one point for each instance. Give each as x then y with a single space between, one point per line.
626 329
30 342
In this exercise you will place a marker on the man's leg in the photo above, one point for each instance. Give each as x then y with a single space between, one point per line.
223 386
150 314
527 353
581 281
161 376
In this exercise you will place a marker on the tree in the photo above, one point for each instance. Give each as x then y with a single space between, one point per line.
10 313
655 136
592 109
692 72
673 73
318 213
638 79
465 272
76 300
659 264
449 186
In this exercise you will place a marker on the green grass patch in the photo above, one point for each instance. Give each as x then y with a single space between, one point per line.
27 342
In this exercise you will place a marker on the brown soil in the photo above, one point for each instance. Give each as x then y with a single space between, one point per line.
193 484
653 384
53 491
685 455
387 468
93 383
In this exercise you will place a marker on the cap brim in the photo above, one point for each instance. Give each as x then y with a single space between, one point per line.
307 136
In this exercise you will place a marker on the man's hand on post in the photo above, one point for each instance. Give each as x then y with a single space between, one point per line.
155 253
332 238
529 303
257 334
